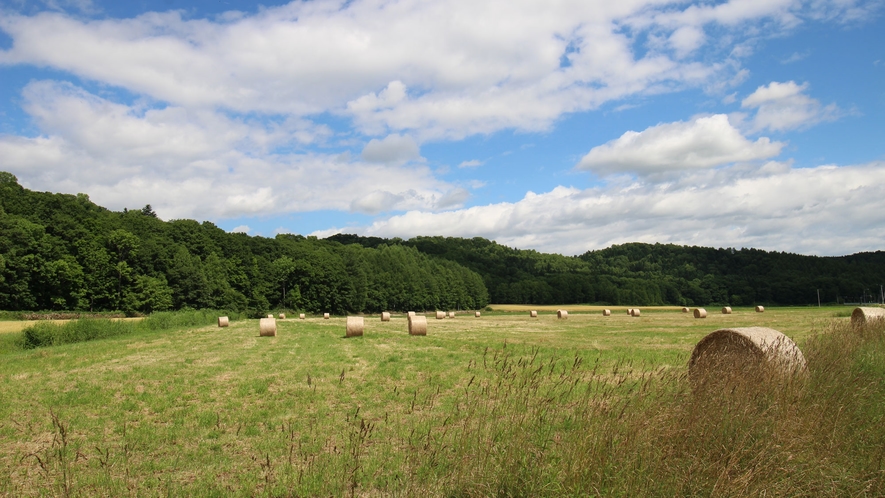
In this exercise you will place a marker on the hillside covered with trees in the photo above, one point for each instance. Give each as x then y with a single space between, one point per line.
63 252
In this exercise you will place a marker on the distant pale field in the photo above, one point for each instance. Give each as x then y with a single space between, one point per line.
19 325
574 307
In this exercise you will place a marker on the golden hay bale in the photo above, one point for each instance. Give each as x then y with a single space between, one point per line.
630 311
477 314
325 316
863 316
760 309
606 312
440 315
451 314
635 312
700 313
562 314
301 316
748 353
354 326
267 327
282 316
270 316
223 321
417 325
685 310
726 310
411 313
385 317
533 314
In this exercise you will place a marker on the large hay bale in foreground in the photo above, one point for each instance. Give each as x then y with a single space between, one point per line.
685 310
726 310
562 314
417 325
700 313
325 316
635 312
385 317
750 354
760 309
223 321
533 314
267 327
477 314
606 312
354 326
440 315
864 316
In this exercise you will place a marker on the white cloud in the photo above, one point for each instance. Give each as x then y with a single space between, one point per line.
771 207
393 148
473 163
784 106
241 229
703 142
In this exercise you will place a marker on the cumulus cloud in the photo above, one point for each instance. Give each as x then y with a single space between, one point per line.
784 106
703 142
769 207
393 148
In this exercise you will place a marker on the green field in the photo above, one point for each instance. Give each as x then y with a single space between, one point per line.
502 405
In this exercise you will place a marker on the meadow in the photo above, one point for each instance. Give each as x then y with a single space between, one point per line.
501 405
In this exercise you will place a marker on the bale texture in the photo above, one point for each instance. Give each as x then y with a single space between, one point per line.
533 314
477 314
750 354
325 316
267 327
636 312
354 326
417 325
726 310
440 315
301 316
700 313
606 312
385 317
685 310
864 316
760 309
562 314
223 321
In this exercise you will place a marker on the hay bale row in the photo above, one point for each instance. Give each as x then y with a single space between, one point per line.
747 354
417 325
223 321
385 317
864 316
700 313
354 326
267 327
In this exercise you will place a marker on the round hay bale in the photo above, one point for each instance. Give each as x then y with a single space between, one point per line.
440 315
630 311
760 309
749 354
864 316
301 316
562 314
533 314
385 317
270 316
325 316
606 312
411 313
354 326
223 321
477 314
282 316
700 313
451 314
636 312
685 310
267 327
726 310
417 325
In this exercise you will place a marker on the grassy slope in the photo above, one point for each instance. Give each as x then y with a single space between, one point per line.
210 410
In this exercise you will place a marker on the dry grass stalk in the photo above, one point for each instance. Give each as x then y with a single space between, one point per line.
864 316
385 316
606 312
440 315
760 309
726 310
223 321
354 326
417 325
700 313
325 316
533 314
562 314
477 314
267 327
746 354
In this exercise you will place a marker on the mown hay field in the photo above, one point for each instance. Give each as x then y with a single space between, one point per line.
503 404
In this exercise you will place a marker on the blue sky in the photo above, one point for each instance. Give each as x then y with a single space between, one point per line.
559 126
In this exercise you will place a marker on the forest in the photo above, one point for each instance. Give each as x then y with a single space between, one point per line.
64 252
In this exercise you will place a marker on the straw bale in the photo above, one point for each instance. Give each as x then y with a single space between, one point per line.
760 309
440 315
630 311
385 317
223 321
477 314
354 326
282 316
417 325
533 314
748 353
451 314
411 313
325 316
562 314
301 316
726 310
700 313
863 316
685 310
270 316
606 312
636 312
267 327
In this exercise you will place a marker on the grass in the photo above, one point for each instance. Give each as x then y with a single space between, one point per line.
500 405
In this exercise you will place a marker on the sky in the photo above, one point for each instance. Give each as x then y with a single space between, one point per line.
562 126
